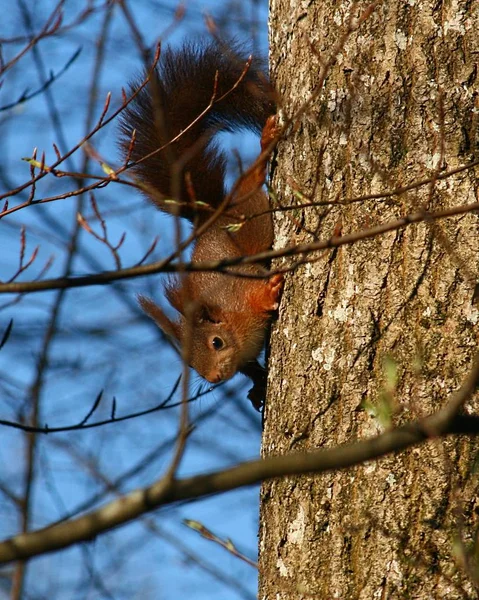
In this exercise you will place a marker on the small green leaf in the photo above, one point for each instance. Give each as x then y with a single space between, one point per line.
36 163
390 369
382 411
107 169
369 408
233 227
300 196
385 410
229 545
196 525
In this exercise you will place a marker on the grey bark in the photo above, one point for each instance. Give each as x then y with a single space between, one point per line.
381 332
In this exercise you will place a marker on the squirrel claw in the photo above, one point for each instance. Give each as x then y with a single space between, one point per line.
270 132
275 287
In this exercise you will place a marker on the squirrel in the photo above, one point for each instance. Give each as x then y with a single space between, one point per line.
195 92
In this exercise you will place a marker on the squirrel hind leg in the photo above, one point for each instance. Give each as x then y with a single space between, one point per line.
270 133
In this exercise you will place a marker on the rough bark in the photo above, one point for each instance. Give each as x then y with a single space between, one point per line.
386 324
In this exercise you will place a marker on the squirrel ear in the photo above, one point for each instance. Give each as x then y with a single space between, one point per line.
173 294
209 313
203 312
169 327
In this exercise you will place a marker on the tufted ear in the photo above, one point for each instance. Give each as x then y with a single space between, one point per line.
209 313
174 295
170 328
200 311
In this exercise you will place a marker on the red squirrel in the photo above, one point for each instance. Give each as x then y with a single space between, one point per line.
229 314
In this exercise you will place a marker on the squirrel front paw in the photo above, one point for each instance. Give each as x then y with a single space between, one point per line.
265 297
274 287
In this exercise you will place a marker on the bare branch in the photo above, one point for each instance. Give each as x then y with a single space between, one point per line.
164 266
169 490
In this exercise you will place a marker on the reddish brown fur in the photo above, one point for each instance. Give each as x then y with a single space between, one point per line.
226 315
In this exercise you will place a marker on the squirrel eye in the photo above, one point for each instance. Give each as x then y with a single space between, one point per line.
217 343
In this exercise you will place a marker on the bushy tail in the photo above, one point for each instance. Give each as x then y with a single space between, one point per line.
192 168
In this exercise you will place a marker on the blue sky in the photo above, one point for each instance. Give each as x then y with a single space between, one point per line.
102 342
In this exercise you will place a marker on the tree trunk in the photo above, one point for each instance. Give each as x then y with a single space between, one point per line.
380 332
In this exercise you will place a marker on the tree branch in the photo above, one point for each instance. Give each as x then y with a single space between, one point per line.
165 266
168 490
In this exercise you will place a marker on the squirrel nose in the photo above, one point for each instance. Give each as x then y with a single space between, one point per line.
213 377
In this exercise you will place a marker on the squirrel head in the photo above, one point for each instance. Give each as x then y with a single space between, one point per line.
215 349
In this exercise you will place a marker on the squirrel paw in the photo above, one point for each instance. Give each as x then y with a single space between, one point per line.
274 289
265 297
270 132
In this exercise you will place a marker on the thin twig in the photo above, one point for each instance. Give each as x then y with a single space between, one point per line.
168 490
226 265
